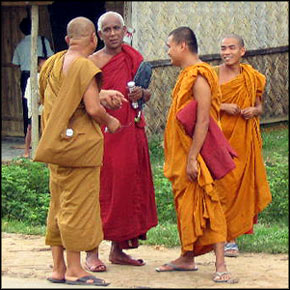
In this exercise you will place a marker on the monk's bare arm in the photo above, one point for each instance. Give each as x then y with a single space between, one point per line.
251 112
96 110
202 94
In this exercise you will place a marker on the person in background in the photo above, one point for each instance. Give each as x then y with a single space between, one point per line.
245 190
21 58
28 97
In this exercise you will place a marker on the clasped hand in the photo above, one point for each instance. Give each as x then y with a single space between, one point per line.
136 94
112 99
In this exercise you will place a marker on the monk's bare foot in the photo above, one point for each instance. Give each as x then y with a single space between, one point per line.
180 264
123 259
94 264
58 275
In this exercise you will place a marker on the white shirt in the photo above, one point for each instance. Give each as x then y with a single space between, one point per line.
22 52
27 95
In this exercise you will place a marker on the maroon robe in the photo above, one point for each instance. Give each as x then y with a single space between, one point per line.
127 195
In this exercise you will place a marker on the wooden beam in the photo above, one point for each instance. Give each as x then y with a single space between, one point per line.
25 3
33 78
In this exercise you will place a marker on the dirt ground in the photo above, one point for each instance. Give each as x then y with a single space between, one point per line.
25 256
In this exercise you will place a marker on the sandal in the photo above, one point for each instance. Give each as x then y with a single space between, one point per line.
217 278
231 250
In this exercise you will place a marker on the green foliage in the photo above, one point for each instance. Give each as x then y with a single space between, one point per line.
272 239
25 193
165 234
278 176
163 190
19 227
275 153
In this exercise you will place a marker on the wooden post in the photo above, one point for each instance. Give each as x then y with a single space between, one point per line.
34 79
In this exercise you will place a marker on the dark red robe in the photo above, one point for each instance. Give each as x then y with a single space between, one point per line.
127 195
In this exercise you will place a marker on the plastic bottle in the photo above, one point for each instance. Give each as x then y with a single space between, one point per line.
131 86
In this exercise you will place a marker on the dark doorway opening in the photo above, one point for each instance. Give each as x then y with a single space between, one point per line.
61 12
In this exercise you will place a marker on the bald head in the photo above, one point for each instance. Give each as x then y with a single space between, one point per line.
80 27
236 37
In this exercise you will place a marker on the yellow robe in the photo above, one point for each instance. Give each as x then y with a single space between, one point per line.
74 220
244 191
200 218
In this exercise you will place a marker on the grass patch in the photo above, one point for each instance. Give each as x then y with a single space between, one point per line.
272 239
18 227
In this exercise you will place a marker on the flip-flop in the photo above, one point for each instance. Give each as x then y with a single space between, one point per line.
174 268
84 281
95 268
231 247
220 274
52 280
130 262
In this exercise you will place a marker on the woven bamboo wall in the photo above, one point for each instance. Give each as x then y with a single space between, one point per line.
276 96
262 24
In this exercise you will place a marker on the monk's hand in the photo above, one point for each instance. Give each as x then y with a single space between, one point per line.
192 169
113 125
231 109
249 113
112 99
136 94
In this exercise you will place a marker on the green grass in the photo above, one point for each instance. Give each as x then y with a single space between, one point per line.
13 226
272 239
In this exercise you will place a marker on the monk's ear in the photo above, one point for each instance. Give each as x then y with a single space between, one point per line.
124 29
94 38
100 34
243 51
183 45
67 40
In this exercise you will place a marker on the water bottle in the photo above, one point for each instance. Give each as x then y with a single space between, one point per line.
131 86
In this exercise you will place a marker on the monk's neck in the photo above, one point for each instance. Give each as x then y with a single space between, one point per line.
231 69
228 72
111 51
190 60
79 51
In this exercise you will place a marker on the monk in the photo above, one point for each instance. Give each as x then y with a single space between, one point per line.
74 221
127 196
245 190
200 218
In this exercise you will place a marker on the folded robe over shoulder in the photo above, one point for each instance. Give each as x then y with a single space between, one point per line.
216 150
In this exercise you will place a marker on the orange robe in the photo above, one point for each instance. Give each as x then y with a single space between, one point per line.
244 191
200 218
74 220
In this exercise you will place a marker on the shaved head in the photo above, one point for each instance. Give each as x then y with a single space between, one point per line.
235 36
80 27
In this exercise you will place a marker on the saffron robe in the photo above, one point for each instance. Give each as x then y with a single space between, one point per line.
200 218
127 194
245 191
74 220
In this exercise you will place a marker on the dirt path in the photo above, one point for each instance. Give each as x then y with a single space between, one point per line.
25 256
